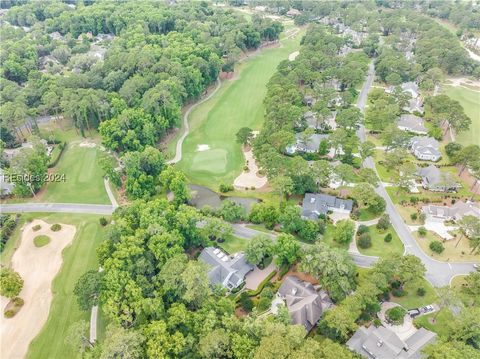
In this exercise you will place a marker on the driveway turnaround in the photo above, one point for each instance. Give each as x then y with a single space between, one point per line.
438 273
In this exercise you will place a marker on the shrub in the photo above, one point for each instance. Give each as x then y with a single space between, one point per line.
18 302
267 292
422 231
422 217
413 200
40 241
9 313
364 241
414 216
383 222
421 291
103 221
436 246
37 228
56 227
398 292
246 302
388 238
225 188
395 315
263 304
377 322
362 229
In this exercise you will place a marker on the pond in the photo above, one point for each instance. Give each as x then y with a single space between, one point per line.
203 196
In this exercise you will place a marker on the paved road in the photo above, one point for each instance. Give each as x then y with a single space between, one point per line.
438 273
186 126
242 231
57 208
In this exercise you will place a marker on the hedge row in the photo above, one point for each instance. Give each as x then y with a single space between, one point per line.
56 154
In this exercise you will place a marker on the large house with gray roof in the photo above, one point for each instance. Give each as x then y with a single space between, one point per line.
435 180
316 204
425 148
226 270
453 213
303 302
310 145
382 343
411 123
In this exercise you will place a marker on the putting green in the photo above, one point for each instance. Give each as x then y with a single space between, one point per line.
211 161
238 103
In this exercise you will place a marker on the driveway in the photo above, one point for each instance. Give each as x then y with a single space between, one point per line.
257 276
438 226
438 273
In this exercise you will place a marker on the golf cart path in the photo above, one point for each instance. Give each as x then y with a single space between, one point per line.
186 127
438 273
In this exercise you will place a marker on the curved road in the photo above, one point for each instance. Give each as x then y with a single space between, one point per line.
186 126
438 273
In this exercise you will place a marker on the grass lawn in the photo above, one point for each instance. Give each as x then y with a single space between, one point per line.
405 212
451 253
441 323
412 300
238 103
260 228
234 244
83 178
379 247
470 101
328 237
79 257
458 281
366 215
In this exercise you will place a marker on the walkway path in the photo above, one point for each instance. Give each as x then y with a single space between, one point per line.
186 127
438 273
112 198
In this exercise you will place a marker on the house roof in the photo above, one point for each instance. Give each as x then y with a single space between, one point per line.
304 303
414 105
434 177
311 144
382 343
458 210
425 145
411 87
224 269
315 204
412 123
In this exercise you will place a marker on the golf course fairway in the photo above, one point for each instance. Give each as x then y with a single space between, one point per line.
210 153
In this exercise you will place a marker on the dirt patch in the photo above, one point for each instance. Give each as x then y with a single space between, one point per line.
464 82
300 275
37 267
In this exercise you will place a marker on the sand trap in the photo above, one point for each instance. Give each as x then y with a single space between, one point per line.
251 178
37 267
201 148
293 55
87 144
462 81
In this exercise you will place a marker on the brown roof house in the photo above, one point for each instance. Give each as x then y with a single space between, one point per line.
303 302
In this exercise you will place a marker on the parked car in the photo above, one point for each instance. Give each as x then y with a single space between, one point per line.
427 309
476 266
414 312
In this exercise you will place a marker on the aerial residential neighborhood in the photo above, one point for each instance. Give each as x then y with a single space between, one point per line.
239 179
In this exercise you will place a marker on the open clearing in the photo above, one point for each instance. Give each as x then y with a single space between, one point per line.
83 177
470 100
237 104
37 266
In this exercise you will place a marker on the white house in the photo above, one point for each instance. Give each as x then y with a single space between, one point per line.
425 148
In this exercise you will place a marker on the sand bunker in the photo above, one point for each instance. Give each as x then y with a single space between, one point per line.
462 81
87 144
293 55
250 178
37 267
201 148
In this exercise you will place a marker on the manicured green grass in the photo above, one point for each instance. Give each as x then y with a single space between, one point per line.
40 241
238 103
441 322
455 250
470 101
379 247
259 227
83 178
79 257
328 237
367 215
412 300
234 244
